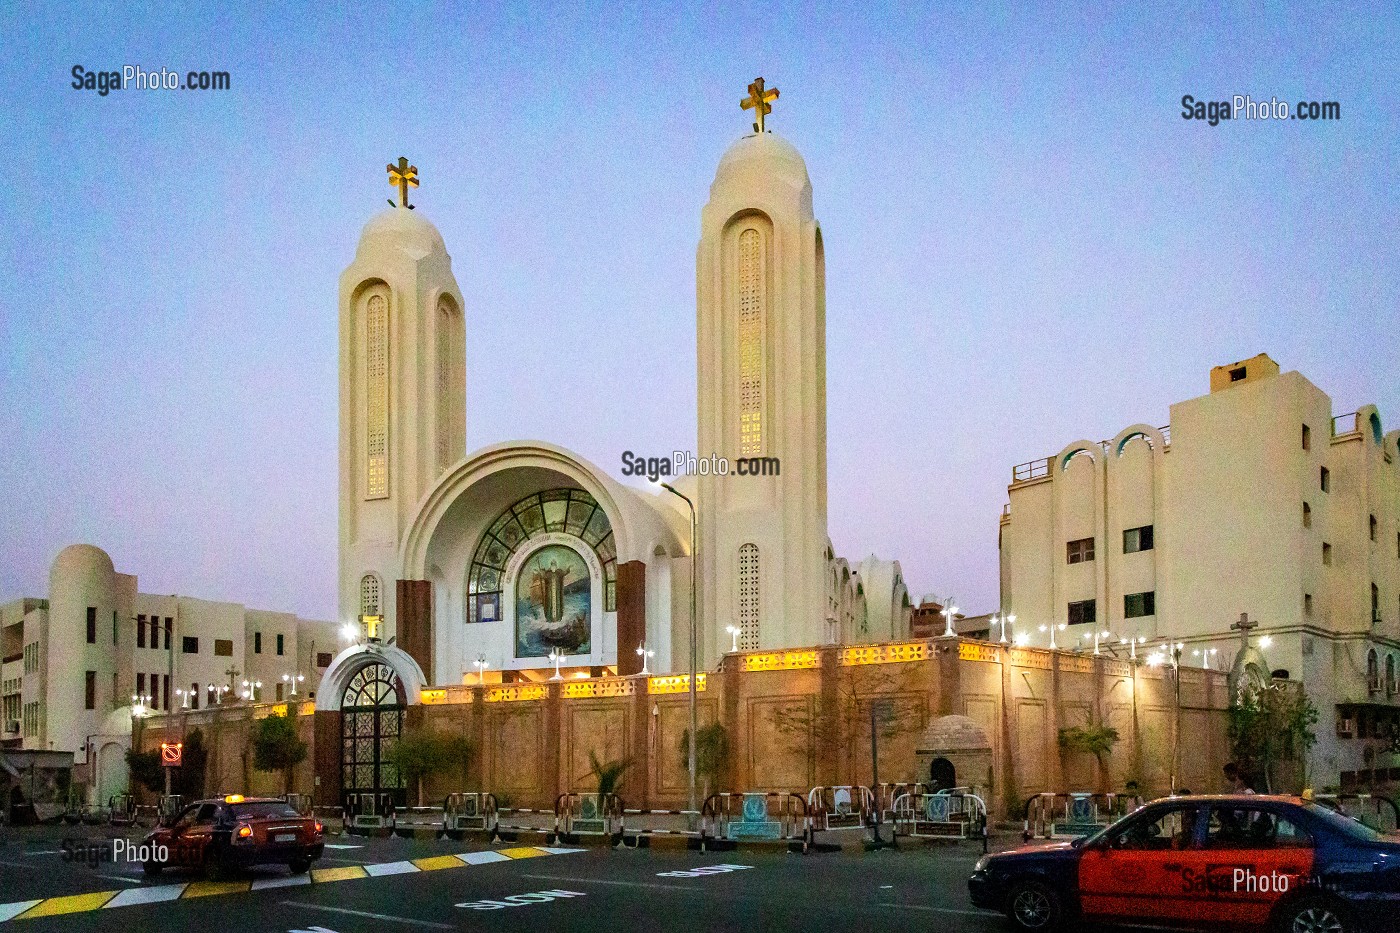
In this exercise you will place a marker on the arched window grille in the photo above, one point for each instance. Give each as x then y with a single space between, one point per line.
376 385
748 598
369 595
752 294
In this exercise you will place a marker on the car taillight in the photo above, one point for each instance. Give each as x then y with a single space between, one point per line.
243 832
319 828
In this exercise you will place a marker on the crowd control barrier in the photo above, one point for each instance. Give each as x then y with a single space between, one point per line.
887 793
948 814
769 815
587 815
121 809
1380 813
1075 814
170 807
470 812
846 806
367 811
299 802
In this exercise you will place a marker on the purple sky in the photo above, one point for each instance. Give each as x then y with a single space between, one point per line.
1026 244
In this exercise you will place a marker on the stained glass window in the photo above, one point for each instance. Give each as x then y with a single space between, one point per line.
567 511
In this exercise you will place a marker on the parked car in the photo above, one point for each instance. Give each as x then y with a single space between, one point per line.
235 832
1207 862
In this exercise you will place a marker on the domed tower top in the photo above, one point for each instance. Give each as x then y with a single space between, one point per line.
82 562
400 227
761 171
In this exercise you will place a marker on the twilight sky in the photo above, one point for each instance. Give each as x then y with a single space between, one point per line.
1026 244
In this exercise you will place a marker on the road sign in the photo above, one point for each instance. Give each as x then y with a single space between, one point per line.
171 753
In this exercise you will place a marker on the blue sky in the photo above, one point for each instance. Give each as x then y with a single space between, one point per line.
1026 244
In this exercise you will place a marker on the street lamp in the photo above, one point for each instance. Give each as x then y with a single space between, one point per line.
1099 635
350 632
481 664
1011 621
948 612
289 679
1051 628
556 657
694 583
733 631
645 653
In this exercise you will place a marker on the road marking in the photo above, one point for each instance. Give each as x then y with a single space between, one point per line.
702 871
335 845
322 875
621 884
942 910
523 852
122 878
437 863
365 913
164 892
70 904
13 910
392 868
521 900
290 881
215 888
483 858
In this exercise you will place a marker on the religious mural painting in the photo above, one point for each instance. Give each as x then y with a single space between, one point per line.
553 604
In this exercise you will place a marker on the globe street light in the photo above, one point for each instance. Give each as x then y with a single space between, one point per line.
289 679
481 664
556 657
694 716
644 653
948 614
733 631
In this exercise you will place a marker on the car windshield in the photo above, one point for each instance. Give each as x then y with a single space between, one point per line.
1343 823
268 810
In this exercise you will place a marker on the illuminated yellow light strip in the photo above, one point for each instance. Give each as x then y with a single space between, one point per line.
516 692
675 683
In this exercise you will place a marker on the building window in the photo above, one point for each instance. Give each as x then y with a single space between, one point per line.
169 627
450 389
90 690
223 647
91 627
376 383
257 643
323 659
1326 554
1307 437
369 596
1307 515
189 645
752 289
194 696
1307 604
279 694
1080 551
1373 671
1237 374
1375 604
1137 539
140 685
1137 605
1083 612
279 644
748 598
1390 685
1374 527
1325 480
140 632
165 691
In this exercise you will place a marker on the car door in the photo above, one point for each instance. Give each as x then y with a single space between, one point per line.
174 837
1256 855
196 839
1148 867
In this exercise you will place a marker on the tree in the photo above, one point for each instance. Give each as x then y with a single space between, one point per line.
186 780
1270 726
422 754
144 768
608 774
276 747
1095 739
711 754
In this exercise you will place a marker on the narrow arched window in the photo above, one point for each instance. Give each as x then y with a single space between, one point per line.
376 387
748 598
752 295
1373 671
1390 684
450 443
369 595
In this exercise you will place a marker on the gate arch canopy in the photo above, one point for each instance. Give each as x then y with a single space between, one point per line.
331 693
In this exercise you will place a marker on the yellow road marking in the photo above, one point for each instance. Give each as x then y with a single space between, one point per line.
437 862
69 904
210 888
344 873
524 852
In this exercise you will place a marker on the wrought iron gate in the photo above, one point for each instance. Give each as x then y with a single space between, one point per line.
372 714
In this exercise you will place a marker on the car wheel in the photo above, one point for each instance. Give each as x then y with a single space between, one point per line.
151 867
1033 906
299 866
1315 915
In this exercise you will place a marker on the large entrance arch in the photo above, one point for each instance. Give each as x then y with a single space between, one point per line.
372 720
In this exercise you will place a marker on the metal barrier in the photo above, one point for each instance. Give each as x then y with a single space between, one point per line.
411 818
366 811
121 809
170 807
639 834
948 814
1074 814
299 802
749 815
588 815
1380 813
845 806
463 812
887 792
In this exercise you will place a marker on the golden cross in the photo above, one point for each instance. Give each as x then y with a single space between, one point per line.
759 101
403 176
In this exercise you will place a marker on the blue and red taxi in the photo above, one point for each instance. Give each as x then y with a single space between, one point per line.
1240 861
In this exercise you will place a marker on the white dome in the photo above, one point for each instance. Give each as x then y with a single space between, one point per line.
82 560
401 228
765 152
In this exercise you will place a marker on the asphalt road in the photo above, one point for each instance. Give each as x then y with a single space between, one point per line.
399 884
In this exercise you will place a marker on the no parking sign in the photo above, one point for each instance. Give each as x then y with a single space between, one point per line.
171 754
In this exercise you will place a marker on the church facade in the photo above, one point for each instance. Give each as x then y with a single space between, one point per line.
523 561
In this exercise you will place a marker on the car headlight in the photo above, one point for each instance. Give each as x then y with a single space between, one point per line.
982 864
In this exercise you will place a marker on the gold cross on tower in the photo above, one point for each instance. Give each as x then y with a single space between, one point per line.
759 101
403 176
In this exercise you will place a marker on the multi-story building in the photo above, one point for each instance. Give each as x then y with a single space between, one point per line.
1257 501
73 662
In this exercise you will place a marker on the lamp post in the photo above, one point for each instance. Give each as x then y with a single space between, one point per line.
1098 636
1175 654
948 612
733 631
481 664
289 679
1051 628
556 658
694 584
645 653
994 620
1010 619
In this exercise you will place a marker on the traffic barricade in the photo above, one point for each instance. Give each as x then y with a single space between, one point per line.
640 834
418 821
587 815
469 812
369 812
844 806
888 792
299 802
121 809
756 815
1379 812
1074 814
954 814
332 817
170 807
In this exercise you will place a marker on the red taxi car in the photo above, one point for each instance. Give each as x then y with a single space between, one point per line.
1207 862
236 832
